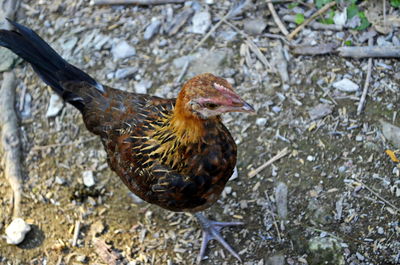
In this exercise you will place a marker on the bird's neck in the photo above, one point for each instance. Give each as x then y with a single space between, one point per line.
187 126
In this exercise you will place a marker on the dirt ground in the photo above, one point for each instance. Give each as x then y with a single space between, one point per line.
343 189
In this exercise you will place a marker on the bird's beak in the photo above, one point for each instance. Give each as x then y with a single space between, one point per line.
239 105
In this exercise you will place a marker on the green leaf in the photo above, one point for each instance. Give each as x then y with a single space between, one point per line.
348 43
352 11
299 18
321 3
395 3
292 5
329 19
364 21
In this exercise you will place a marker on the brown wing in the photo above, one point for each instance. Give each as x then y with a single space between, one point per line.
191 183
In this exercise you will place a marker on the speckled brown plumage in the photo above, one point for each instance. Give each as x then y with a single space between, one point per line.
174 153
183 172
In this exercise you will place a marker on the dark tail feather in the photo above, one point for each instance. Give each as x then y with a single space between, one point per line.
46 62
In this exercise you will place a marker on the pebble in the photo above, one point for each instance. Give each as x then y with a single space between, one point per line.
60 181
16 231
142 86
255 26
201 22
125 72
281 193
81 258
320 111
152 29
391 133
310 158
276 109
27 108
380 231
7 59
55 106
136 199
346 85
359 138
340 17
88 178
122 50
261 121
324 250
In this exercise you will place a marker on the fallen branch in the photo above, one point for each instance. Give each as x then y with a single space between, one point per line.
315 50
308 20
10 140
138 2
278 156
370 52
366 84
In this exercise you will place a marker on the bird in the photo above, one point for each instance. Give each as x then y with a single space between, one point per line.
175 153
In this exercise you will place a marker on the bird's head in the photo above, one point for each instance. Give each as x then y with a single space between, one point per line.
207 96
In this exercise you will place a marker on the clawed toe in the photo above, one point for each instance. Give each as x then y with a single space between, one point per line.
211 230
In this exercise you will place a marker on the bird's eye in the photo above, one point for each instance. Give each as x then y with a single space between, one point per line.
211 105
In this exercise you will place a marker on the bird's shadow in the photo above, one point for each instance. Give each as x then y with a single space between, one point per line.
33 238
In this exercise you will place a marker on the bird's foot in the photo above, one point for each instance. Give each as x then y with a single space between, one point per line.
211 230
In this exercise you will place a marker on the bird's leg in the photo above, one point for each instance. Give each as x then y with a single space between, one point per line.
211 230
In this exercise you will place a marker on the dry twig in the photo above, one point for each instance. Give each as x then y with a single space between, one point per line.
277 20
10 140
308 20
278 156
367 80
252 46
138 2
76 233
396 209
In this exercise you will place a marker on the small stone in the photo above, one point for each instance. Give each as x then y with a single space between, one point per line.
276 109
391 133
235 174
359 256
359 138
136 199
346 85
55 106
81 258
60 181
152 29
125 72
310 158
255 26
261 121
122 50
228 189
27 108
325 250
243 204
142 86
380 231
88 178
201 22
16 231
320 111
340 17
281 193
7 59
